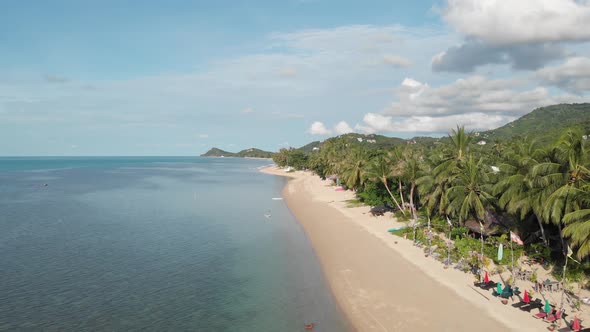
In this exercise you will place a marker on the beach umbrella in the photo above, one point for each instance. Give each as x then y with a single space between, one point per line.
526 298
499 288
486 278
500 252
547 308
576 324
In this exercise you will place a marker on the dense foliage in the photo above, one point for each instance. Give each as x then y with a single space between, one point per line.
540 191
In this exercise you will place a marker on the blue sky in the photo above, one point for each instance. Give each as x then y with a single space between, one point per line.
179 77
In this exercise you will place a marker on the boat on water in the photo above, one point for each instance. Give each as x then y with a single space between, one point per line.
277 198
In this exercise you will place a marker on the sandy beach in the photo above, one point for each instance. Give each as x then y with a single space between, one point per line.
383 282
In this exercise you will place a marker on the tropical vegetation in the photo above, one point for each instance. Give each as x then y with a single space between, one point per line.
519 182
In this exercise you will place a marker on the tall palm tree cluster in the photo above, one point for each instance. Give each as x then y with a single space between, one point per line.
544 186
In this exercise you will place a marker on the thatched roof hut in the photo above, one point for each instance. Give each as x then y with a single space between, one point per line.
493 224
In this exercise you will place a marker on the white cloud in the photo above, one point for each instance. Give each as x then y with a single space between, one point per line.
476 102
373 123
572 75
318 128
396 61
520 21
470 95
342 128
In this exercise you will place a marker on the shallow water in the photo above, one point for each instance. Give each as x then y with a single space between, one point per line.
159 244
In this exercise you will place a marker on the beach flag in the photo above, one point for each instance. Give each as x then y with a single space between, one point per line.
486 278
526 298
515 238
500 252
576 324
449 222
547 308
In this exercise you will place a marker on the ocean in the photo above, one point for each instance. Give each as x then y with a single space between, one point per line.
154 244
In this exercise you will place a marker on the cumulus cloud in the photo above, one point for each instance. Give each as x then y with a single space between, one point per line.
473 53
342 128
471 94
573 75
373 123
396 61
476 102
502 22
318 128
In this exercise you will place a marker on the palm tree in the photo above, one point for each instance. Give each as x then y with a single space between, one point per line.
410 172
434 183
470 194
577 224
563 178
395 158
516 190
354 168
379 169
461 141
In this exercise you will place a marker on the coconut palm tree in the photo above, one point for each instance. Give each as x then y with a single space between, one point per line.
577 224
354 168
563 178
410 172
460 140
435 181
516 190
470 194
379 170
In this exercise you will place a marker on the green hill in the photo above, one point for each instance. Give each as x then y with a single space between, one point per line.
247 153
545 124
215 152
254 153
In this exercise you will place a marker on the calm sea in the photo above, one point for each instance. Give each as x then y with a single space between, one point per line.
154 244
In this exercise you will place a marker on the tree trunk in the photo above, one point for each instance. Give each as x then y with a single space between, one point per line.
401 194
412 207
384 180
545 242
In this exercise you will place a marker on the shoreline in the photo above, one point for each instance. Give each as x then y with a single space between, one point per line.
382 282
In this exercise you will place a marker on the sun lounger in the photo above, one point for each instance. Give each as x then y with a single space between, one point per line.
485 285
534 305
520 304
542 314
553 318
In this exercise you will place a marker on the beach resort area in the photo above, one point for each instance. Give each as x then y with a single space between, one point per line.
391 282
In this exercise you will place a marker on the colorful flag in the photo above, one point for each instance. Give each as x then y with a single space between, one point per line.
515 238
500 252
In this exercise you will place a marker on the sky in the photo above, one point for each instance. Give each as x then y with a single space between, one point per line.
108 78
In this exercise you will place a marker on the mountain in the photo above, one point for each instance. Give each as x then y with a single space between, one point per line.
247 153
545 124
215 152
254 153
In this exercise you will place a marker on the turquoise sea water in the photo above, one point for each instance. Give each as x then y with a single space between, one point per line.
153 244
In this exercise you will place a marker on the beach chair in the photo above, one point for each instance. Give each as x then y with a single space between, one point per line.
536 304
541 314
485 285
507 292
516 291
520 304
553 318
